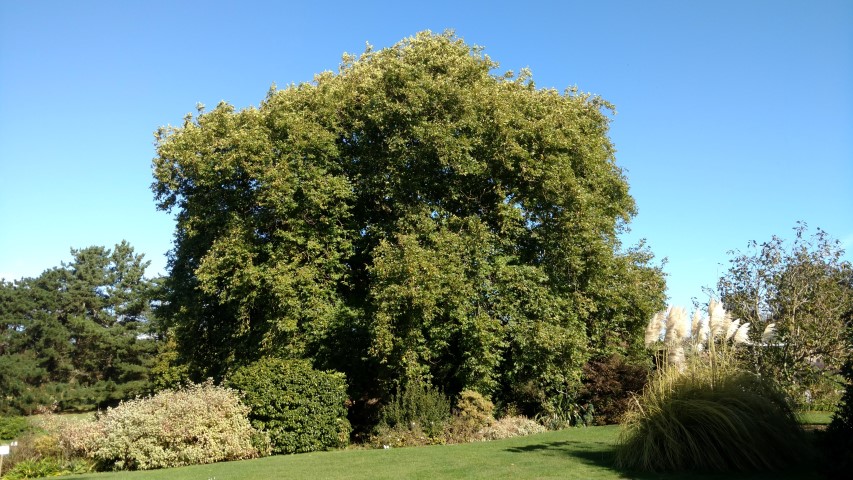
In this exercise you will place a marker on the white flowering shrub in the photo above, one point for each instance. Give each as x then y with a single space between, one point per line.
194 425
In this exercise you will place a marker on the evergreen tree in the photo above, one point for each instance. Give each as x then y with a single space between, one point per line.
78 335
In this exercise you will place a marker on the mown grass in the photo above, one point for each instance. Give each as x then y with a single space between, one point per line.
583 453
814 418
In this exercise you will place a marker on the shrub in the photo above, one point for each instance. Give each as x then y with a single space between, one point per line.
473 412
419 407
39 455
47 467
195 425
474 409
301 409
13 427
403 436
702 412
561 411
509 427
34 468
609 385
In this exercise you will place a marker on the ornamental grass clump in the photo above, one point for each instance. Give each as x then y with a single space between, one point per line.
700 410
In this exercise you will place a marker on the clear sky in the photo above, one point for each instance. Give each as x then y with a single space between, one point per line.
735 118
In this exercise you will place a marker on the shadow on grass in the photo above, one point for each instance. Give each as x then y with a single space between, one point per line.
599 454
603 455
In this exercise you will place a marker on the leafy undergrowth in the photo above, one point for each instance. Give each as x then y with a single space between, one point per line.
583 453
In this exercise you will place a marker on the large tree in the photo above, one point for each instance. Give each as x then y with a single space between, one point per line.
804 288
78 335
411 217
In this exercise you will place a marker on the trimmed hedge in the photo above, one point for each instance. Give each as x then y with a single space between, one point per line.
300 408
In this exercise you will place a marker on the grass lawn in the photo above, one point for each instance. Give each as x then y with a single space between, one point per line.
815 418
583 453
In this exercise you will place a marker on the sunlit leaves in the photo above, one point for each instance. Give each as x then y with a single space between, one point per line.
414 216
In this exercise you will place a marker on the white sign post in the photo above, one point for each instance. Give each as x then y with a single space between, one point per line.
4 450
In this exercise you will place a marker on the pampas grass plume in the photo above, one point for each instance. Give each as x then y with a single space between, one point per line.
716 318
769 333
676 326
742 335
704 333
653 329
696 326
731 328
676 357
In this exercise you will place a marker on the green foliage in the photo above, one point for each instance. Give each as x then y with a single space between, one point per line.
562 411
412 217
473 413
610 385
38 454
78 336
805 289
167 372
474 409
418 407
47 467
195 425
301 409
13 427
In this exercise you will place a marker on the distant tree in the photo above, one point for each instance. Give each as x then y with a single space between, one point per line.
804 289
77 335
412 217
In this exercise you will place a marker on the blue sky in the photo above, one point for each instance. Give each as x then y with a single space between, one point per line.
735 118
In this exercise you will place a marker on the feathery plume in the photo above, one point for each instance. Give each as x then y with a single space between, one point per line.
704 334
676 325
675 357
742 335
696 326
731 328
653 329
769 333
716 318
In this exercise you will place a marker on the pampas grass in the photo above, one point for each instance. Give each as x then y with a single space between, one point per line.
769 333
702 411
653 329
688 421
676 326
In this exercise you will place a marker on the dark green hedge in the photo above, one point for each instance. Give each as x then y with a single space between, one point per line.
302 409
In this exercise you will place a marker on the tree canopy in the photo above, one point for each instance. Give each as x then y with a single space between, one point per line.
805 288
78 335
413 216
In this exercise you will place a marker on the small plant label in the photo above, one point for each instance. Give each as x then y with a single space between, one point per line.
4 449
